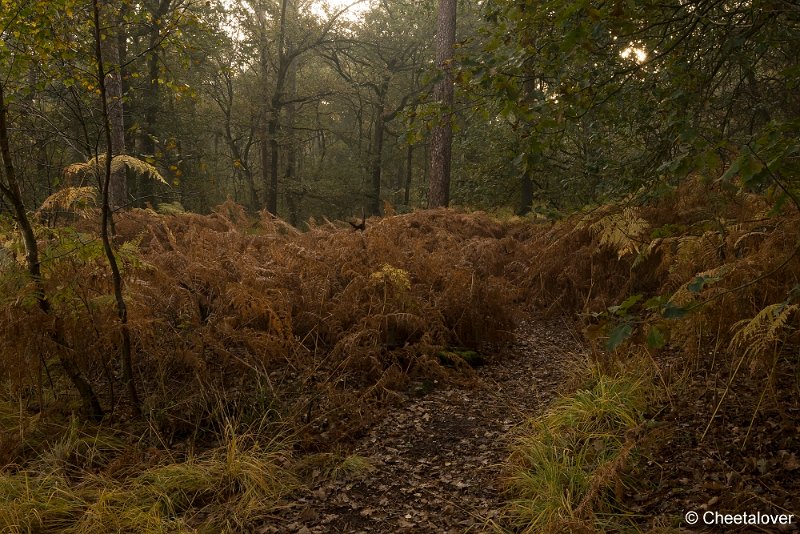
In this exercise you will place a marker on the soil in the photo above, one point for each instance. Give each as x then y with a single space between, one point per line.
437 460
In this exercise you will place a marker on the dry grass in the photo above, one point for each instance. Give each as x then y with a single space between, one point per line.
226 488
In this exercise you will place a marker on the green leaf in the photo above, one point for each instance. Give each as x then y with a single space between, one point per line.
699 282
732 171
655 303
671 311
620 333
622 309
778 205
655 338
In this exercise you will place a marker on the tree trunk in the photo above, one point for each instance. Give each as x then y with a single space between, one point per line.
442 135
122 310
409 174
291 177
152 97
374 205
526 194
118 189
271 172
263 137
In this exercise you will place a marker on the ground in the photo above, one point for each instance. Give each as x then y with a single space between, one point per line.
436 462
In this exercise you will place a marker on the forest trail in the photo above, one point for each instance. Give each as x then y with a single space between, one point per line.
436 460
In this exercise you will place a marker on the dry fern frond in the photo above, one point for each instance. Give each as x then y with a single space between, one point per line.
622 231
122 161
692 254
77 199
759 336
398 278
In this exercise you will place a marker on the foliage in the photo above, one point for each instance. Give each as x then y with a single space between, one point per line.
264 311
96 165
606 97
79 199
323 329
656 144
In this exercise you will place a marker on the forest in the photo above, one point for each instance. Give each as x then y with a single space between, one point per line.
312 266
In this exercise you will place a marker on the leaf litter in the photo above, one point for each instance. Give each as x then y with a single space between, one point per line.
436 460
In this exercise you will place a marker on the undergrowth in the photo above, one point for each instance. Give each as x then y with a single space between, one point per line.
700 285
232 319
318 331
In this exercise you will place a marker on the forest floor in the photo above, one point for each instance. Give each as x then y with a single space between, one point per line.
436 461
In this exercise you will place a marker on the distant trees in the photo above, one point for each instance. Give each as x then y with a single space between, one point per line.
542 106
379 63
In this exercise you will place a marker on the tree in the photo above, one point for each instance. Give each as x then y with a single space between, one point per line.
442 135
381 66
296 34
112 37
225 88
606 98
148 133
126 360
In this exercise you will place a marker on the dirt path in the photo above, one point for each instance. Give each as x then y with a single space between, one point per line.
436 459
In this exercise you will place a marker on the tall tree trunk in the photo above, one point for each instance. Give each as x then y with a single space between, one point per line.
271 173
376 164
277 102
157 9
122 310
263 138
374 198
291 177
12 192
409 174
442 135
265 111
526 194
118 188
374 206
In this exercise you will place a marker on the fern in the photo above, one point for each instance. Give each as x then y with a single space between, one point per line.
689 290
122 161
77 199
760 335
756 338
397 278
621 231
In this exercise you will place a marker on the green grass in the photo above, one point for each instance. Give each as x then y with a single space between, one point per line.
566 467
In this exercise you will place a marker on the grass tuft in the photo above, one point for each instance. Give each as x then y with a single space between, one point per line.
229 487
564 471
